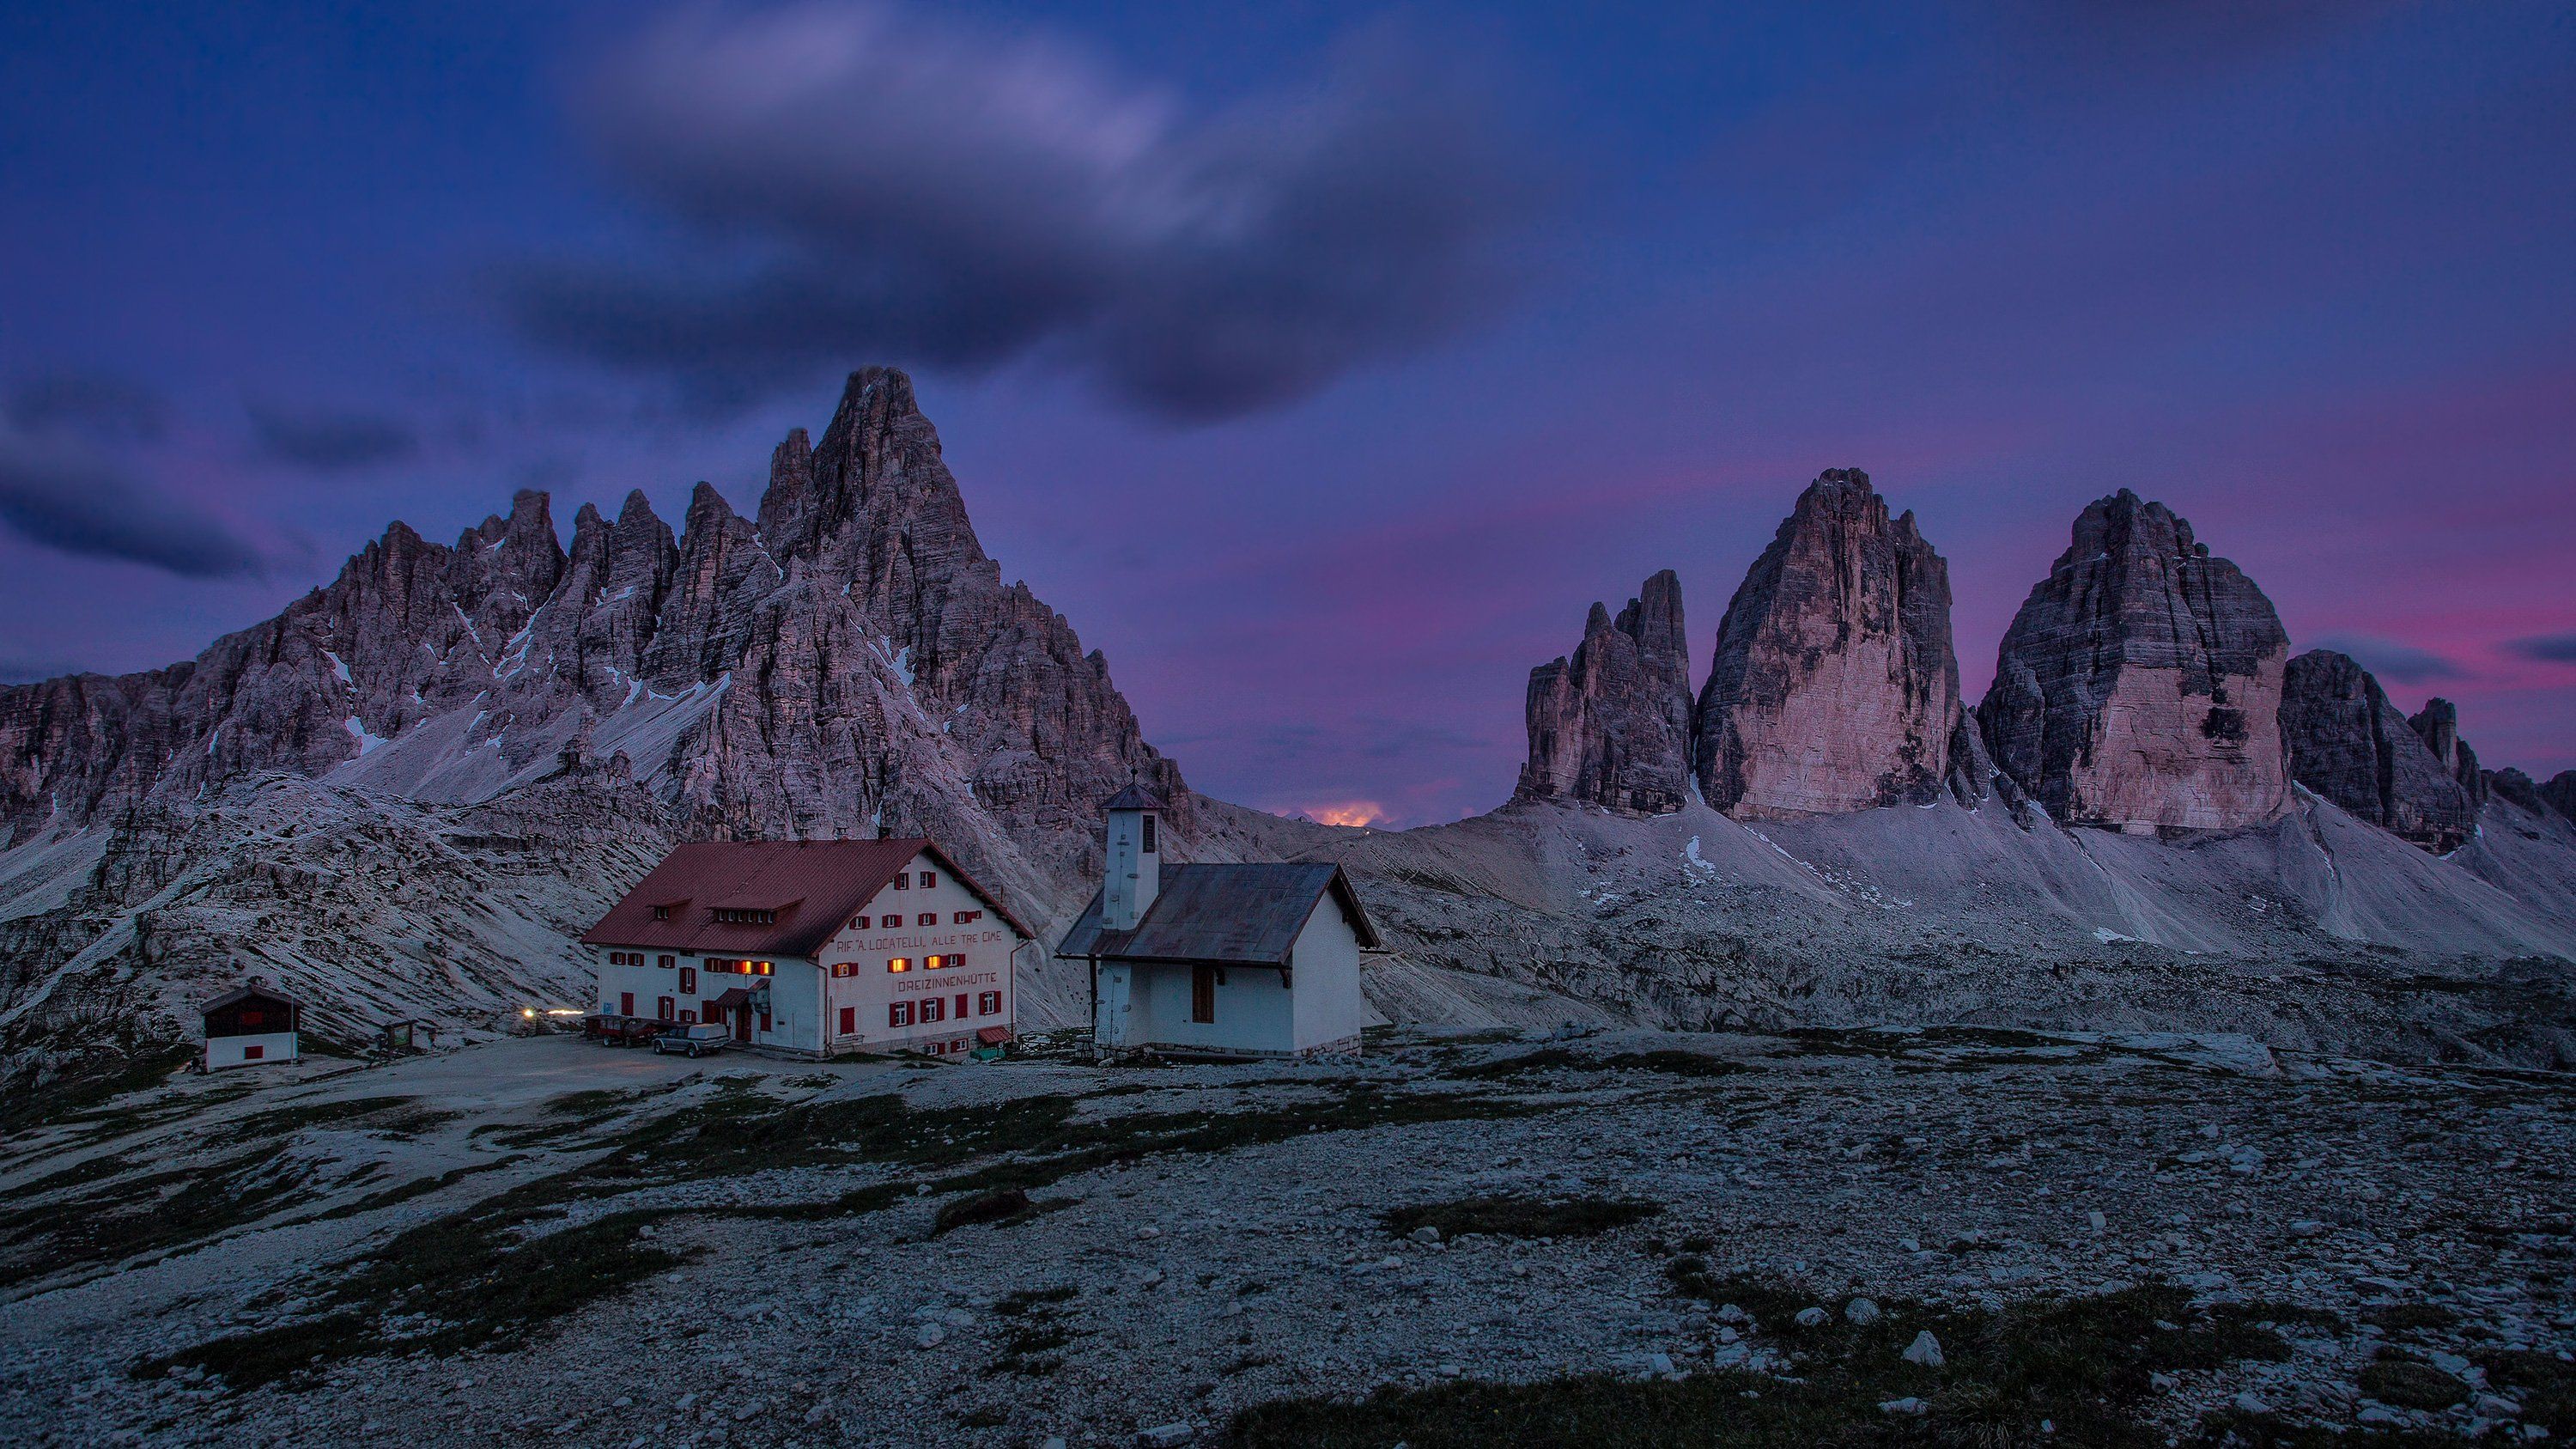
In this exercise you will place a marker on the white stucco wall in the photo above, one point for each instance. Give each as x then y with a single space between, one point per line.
1330 1009
806 1000
227 1051
1148 1004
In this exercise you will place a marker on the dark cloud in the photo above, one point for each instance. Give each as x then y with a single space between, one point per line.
2391 660
95 405
2547 648
62 491
330 442
865 183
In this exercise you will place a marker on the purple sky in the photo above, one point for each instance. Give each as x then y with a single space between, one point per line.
1324 366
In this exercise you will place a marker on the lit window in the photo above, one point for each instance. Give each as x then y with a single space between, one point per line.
899 963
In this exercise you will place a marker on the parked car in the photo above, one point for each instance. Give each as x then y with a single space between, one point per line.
695 1038
609 1029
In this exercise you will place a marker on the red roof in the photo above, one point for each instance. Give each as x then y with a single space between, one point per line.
992 1035
812 886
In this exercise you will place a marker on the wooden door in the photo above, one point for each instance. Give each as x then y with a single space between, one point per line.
742 1024
1203 994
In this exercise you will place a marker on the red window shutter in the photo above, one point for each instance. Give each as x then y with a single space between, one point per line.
665 1007
961 1006
254 1053
688 978
626 1003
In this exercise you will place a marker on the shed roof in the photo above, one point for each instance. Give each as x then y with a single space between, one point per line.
811 886
1225 913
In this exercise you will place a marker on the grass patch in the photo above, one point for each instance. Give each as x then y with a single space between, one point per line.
1677 1064
476 1286
472 1276
74 1093
2412 1385
2082 1366
2412 1317
1520 1217
1001 1205
122 1217
2544 1382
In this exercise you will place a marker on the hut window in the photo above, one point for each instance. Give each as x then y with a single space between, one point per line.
1149 835
254 1053
899 963
988 1003
858 923
929 878
661 913
899 1014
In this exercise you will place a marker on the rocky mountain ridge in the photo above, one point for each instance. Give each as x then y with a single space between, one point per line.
849 659
2145 685
405 794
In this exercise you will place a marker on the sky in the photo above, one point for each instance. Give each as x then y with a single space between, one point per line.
1321 363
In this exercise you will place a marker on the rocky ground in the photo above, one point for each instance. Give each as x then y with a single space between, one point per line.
1614 1237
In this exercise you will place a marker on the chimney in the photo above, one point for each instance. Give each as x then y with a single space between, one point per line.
1134 870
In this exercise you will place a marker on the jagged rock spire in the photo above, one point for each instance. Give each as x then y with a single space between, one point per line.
2140 685
1834 686
2350 745
1611 725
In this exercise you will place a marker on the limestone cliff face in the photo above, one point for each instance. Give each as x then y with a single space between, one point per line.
1834 686
851 660
2350 745
2140 685
2438 725
1611 724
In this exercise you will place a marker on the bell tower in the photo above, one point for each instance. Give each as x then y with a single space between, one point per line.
1134 870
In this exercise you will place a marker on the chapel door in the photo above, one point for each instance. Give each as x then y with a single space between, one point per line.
1203 994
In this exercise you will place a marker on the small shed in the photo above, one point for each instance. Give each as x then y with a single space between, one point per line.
251 1025
408 1034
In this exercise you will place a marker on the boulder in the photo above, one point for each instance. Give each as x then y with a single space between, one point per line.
1834 686
2348 744
2139 687
1610 725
